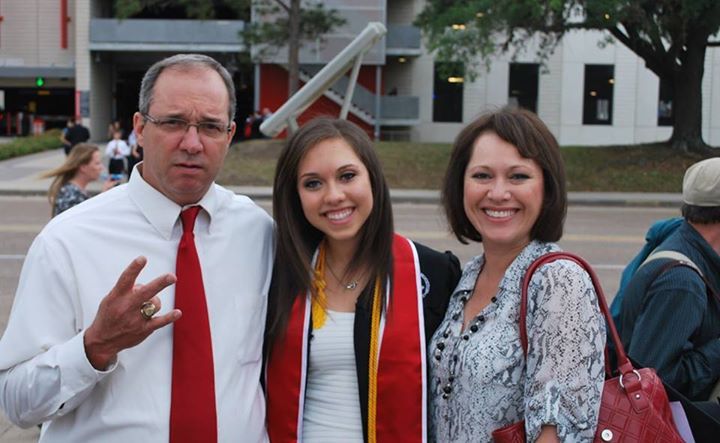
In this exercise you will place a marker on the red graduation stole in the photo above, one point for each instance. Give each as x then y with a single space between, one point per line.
401 379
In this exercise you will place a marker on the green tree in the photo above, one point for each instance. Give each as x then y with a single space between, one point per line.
671 36
201 9
276 23
290 23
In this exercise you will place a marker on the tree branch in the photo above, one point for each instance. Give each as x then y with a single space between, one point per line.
283 5
639 47
713 44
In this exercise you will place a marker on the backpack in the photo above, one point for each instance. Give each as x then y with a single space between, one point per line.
658 232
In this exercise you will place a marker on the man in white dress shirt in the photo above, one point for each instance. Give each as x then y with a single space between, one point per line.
78 355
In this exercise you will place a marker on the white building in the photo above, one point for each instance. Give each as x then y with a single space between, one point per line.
91 64
587 94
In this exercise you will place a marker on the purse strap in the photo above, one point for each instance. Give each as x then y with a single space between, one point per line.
624 364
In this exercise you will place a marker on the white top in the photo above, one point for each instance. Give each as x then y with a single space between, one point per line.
117 149
332 400
76 260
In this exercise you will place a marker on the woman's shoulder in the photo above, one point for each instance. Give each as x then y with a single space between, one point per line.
70 188
561 267
433 261
529 254
428 253
441 268
563 278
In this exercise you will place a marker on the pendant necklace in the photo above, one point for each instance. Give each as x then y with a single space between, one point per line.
349 286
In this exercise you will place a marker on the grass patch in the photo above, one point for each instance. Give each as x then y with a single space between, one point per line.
30 145
251 163
641 168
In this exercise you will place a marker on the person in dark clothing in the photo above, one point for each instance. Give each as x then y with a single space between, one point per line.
136 152
255 125
63 136
670 318
78 133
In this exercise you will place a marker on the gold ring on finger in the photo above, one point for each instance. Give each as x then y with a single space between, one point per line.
148 309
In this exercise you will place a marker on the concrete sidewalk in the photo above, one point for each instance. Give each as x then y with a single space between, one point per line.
19 176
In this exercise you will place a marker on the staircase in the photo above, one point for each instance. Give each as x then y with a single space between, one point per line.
394 110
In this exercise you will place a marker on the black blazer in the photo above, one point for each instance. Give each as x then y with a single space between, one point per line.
440 275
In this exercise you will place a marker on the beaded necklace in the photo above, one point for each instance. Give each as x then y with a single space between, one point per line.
440 346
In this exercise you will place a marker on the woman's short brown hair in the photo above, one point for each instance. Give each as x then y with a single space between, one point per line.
524 130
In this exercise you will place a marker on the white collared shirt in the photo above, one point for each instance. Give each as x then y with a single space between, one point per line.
75 261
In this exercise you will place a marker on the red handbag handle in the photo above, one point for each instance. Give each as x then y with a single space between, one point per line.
624 364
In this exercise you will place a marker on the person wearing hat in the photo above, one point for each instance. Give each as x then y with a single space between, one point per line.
670 316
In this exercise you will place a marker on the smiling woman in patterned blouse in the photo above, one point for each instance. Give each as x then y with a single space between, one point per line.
505 187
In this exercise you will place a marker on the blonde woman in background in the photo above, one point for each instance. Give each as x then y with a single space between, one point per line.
68 188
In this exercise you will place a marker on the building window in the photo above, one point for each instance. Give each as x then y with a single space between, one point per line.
448 92
598 97
523 88
665 111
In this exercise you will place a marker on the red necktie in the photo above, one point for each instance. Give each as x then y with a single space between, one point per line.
192 407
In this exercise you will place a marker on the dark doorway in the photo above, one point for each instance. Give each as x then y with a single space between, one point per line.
448 92
127 90
523 87
598 94
53 105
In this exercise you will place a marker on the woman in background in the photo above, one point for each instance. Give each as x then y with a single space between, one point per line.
352 304
505 188
68 188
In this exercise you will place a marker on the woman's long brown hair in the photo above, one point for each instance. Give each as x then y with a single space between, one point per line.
297 239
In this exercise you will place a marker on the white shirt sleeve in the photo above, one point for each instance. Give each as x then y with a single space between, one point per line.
44 372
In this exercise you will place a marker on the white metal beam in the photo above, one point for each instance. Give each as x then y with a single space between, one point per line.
350 56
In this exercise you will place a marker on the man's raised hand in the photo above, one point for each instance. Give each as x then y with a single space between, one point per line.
119 323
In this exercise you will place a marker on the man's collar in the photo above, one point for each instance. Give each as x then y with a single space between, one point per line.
160 211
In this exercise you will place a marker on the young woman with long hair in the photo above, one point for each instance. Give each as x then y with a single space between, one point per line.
352 304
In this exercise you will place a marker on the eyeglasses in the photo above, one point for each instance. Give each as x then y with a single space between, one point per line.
173 125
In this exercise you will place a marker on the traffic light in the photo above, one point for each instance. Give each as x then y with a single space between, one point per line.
39 82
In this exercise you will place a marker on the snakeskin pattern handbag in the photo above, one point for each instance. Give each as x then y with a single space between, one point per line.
634 406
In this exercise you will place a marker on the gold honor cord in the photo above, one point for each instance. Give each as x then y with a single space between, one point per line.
319 299
373 364
319 316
